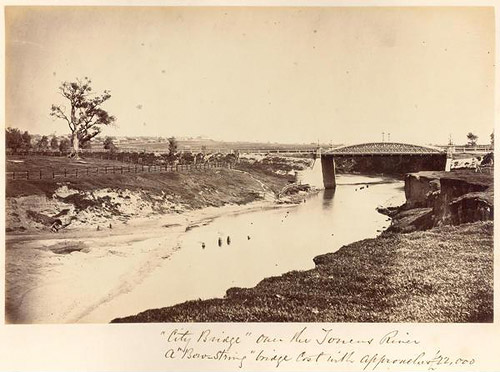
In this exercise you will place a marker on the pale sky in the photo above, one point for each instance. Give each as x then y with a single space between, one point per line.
260 74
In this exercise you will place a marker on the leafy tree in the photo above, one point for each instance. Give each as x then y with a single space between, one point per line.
64 145
187 158
54 144
13 139
43 143
472 138
26 140
86 145
487 159
109 145
172 146
86 116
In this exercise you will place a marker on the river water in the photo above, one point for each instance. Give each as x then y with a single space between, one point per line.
234 250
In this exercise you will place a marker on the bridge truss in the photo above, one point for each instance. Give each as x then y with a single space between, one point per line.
384 148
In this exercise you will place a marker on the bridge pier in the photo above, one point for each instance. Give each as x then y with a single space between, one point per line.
328 169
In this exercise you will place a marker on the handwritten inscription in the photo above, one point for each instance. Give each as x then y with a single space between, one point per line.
308 346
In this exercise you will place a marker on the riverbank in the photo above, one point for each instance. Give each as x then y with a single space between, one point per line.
441 274
117 231
113 201
100 265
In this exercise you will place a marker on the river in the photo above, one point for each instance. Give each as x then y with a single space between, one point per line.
127 276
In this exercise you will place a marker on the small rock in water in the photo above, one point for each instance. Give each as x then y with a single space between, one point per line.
220 242
203 245
248 237
228 240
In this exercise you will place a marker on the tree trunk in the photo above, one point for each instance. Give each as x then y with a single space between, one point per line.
76 146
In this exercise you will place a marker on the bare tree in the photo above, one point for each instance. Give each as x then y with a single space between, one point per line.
85 116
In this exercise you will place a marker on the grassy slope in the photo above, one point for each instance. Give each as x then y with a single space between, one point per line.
57 163
185 184
439 275
216 186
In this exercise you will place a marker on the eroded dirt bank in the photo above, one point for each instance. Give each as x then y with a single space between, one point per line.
443 198
107 202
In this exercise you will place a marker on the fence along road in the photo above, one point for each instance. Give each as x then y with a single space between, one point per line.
102 171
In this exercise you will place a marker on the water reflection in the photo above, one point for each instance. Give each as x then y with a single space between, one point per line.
328 198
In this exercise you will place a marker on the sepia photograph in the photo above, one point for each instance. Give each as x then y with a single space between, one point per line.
249 164
230 186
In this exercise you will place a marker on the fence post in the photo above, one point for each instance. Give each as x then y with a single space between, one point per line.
87 171
65 174
40 174
14 175
53 174
106 169
76 173
27 175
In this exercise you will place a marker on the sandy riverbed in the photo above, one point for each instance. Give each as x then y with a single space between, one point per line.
102 266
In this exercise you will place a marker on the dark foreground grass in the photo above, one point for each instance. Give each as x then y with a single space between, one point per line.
440 275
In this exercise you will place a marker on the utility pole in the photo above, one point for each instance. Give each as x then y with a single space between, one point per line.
388 137
383 136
